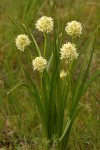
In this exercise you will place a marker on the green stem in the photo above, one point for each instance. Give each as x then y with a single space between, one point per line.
45 132
74 39
30 55
45 44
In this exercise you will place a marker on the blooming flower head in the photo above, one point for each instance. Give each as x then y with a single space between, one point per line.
63 74
73 28
68 52
45 24
39 63
22 41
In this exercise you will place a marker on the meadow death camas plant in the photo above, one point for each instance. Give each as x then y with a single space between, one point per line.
63 74
68 51
45 24
39 63
57 100
74 28
22 41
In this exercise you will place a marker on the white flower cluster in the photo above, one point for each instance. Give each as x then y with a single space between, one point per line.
63 74
73 28
68 52
22 41
39 63
45 24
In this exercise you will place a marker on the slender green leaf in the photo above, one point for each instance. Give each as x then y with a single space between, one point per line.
17 86
15 24
70 123
88 83
33 40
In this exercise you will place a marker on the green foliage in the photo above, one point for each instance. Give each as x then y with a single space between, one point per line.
52 98
20 124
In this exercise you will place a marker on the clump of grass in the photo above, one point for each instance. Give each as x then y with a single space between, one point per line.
57 99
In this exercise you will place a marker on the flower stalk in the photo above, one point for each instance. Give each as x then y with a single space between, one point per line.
45 44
